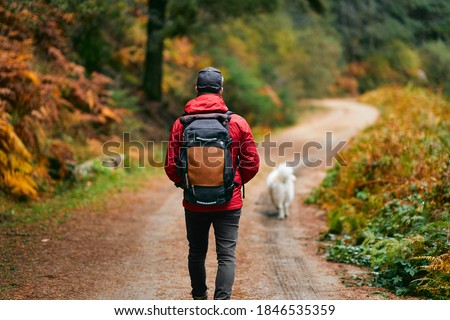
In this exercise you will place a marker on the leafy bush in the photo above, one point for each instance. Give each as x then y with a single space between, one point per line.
390 207
394 63
436 61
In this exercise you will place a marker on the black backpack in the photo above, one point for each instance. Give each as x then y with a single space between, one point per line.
205 159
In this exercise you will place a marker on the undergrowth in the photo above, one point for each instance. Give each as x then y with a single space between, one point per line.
389 209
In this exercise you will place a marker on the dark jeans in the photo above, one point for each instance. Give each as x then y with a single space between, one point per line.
226 224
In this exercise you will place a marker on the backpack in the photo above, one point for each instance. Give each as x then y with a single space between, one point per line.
205 162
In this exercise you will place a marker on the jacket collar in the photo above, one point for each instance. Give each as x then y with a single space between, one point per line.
206 103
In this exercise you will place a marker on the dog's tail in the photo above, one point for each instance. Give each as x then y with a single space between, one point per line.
285 172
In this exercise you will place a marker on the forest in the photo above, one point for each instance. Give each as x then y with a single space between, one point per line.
76 74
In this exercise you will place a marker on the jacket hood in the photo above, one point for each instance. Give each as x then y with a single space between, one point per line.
206 103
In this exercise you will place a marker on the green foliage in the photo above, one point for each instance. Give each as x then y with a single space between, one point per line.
369 25
246 96
124 98
394 63
236 8
381 41
436 62
391 204
94 30
268 69
317 56
344 252
185 17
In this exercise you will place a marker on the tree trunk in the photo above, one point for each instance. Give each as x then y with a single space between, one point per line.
154 51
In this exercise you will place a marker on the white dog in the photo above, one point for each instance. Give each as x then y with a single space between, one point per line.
281 183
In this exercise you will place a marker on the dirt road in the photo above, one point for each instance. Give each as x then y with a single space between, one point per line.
136 247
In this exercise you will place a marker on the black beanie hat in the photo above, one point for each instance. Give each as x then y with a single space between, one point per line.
209 80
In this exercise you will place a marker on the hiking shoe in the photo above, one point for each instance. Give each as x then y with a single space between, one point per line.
202 297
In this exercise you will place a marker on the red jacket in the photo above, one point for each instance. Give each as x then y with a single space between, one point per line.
243 146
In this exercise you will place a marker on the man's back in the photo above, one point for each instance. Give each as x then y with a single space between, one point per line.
225 217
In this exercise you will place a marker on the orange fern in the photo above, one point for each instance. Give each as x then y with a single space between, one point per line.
43 94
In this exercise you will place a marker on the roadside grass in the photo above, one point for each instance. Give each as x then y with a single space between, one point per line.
389 209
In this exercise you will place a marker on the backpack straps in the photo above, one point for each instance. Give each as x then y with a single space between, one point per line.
238 163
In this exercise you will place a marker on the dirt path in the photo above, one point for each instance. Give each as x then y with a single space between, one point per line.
285 253
136 248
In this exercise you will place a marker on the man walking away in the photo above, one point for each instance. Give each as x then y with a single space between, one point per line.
211 155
